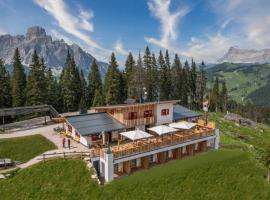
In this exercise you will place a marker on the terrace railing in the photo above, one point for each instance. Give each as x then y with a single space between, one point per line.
158 143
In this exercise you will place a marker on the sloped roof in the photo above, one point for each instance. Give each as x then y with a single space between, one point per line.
94 123
181 112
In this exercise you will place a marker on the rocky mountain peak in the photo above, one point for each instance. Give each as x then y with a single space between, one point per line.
53 51
35 32
238 55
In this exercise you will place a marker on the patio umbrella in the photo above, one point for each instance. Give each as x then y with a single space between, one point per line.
162 129
136 134
183 125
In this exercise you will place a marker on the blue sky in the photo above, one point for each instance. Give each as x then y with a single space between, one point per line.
201 29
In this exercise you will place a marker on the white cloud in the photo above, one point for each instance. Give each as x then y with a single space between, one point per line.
72 24
160 9
119 48
252 19
210 49
56 35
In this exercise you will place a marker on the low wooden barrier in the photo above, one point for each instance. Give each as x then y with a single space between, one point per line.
158 143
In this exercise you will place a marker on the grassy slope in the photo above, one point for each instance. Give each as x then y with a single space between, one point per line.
223 174
24 148
254 138
242 81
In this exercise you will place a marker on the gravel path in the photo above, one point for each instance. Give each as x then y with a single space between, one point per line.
46 131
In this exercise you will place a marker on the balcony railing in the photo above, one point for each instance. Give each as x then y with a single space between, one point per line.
157 143
139 121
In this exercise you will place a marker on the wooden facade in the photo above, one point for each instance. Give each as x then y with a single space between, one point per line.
140 113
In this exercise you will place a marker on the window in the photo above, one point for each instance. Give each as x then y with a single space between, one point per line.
132 115
165 112
147 113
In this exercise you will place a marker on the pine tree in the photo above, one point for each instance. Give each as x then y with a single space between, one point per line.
98 99
128 73
155 77
168 74
149 75
193 85
224 97
215 96
94 82
5 88
70 85
185 87
177 78
123 87
137 80
201 84
83 86
164 81
36 84
18 81
53 91
112 83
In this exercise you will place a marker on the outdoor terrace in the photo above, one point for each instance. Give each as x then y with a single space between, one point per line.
146 145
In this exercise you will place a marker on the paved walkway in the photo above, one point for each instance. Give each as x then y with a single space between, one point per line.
48 132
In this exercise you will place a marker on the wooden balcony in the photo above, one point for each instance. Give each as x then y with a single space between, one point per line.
139 121
142 146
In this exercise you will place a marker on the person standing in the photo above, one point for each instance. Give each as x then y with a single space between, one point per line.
64 142
68 143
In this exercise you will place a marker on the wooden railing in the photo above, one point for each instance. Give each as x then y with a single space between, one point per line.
158 143
139 121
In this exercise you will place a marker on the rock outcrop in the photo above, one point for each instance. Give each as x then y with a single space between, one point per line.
239 119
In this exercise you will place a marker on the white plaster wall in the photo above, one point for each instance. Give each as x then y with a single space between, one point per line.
164 119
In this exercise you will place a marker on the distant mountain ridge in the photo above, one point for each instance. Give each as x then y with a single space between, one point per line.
53 51
245 82
237 55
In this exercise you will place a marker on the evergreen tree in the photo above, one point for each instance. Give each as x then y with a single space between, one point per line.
168 74
112 83
5 88
94 82
149 75
84 92
129 69
155 77
36 84
98 99
193 84
201 84
137 80
18 81
70 85
185 86
215 96
164 81
123 87
224 97
177 78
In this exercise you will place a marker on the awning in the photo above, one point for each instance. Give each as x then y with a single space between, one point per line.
136 134
183 125
162 129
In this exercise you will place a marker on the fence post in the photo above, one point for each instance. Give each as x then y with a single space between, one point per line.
64 155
